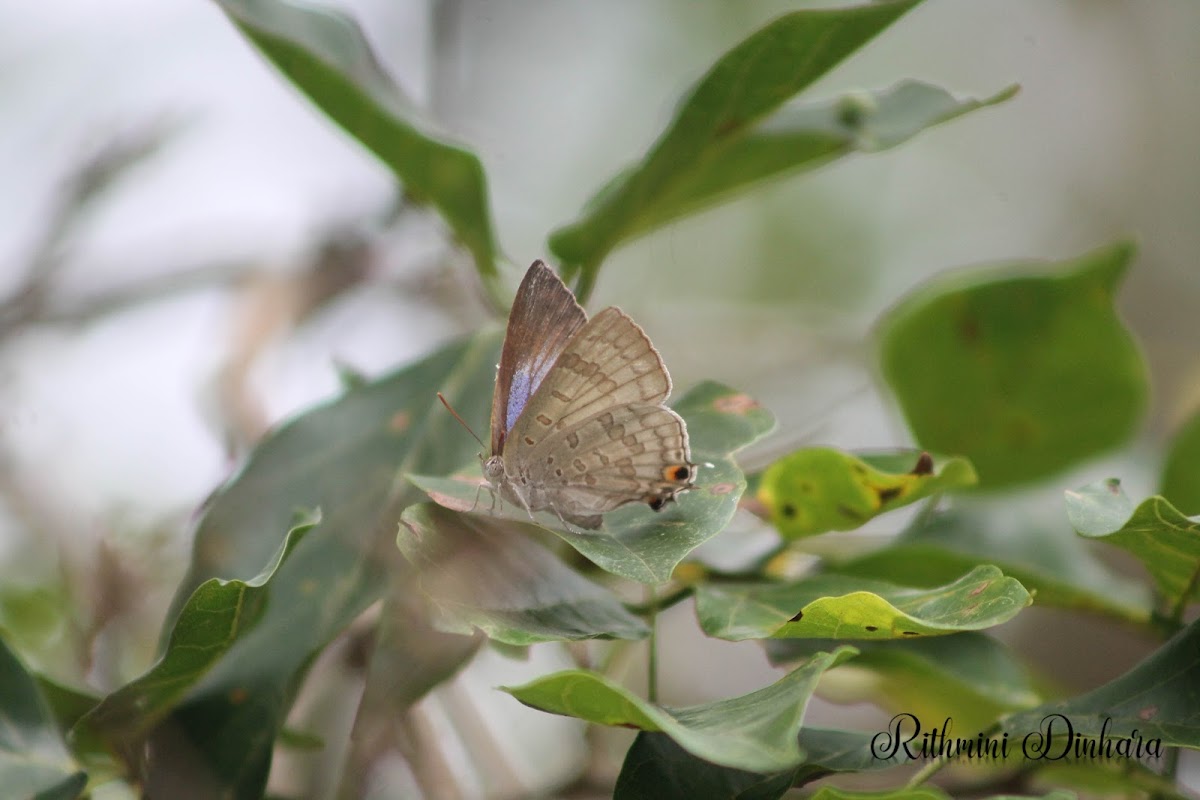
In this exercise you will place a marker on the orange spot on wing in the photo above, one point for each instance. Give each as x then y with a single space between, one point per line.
399 422
720 488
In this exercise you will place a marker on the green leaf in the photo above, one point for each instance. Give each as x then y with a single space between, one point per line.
832 751
1100 778
819 489
34 762
345 458
968 677
1181 472
996 366
1156 533
635 542
742 88
656 766
324 53
793 140
843 607
914 793
216 616
1049 561
1157 700
483 574
756 732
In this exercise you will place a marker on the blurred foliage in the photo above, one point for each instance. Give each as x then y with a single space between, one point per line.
1015 373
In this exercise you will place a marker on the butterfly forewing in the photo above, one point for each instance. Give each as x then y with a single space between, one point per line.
543 319
610 362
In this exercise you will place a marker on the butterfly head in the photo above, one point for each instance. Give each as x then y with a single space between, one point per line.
493 469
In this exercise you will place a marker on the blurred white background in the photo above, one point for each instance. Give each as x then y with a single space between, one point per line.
115 427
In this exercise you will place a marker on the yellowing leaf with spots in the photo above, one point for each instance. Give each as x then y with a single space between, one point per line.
844 607
819 489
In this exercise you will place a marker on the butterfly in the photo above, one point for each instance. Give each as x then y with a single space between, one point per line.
578 422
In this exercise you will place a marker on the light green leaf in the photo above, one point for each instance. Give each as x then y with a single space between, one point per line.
742 88
756 732
635 542
843 607
34 762
1051 562
488 575
915 793
1156 701
1103 778
324 53
1181 472
1164 540
819 489
215 617
968 677
996 365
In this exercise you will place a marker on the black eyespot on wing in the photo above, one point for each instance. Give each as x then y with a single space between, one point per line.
788 510
656 503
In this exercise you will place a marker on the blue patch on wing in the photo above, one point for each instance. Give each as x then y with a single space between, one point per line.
526 379
518 395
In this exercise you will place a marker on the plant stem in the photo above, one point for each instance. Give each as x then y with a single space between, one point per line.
926 772
652 641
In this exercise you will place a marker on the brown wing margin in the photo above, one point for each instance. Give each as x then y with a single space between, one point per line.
543 319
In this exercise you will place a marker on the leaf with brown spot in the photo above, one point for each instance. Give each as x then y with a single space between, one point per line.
841 607
819 489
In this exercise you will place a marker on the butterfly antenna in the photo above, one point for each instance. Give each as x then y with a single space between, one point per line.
450 408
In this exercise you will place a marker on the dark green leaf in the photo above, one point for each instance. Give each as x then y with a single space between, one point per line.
968 677
1164 540
489 575
996 366
1181 473
756 732
832 751
686 166
1156 701
793 140
635 542
844 607
343 458
325 54
1049 561
34 762
819 489
656 767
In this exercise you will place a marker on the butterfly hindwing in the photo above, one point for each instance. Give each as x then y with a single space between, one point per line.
629 453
